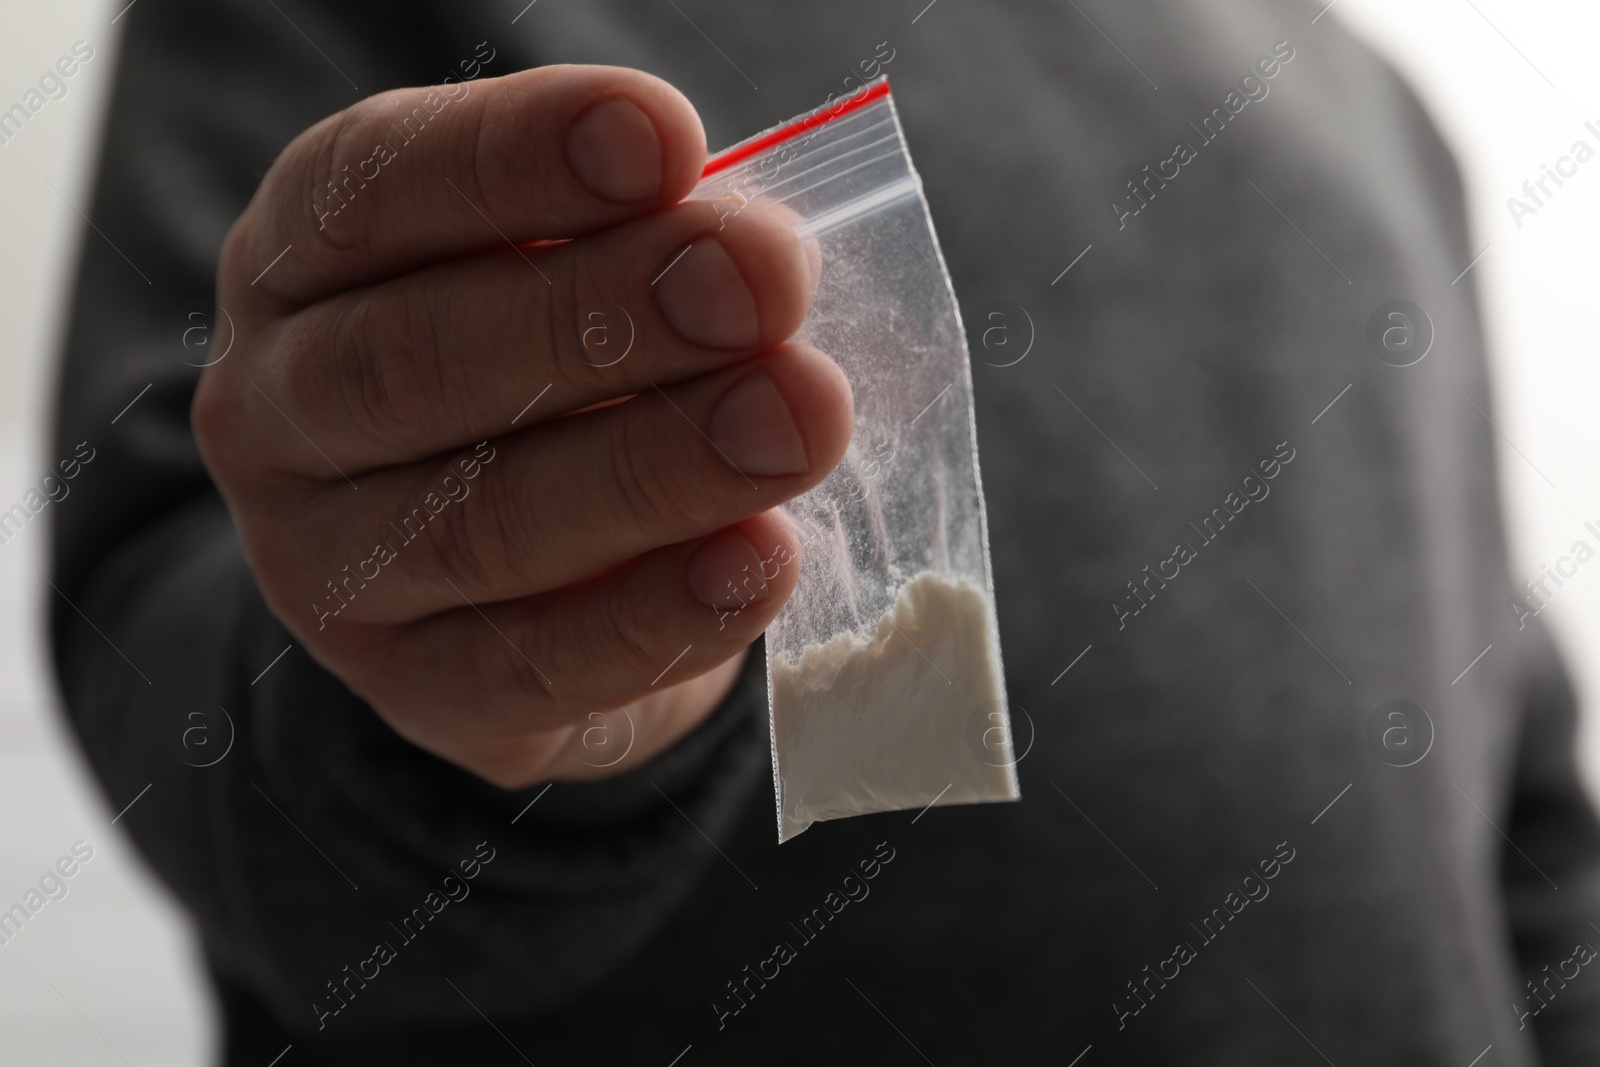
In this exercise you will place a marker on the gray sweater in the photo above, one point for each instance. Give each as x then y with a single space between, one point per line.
1226 537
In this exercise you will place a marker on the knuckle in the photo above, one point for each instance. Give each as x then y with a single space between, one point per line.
378 375
533 699
572 295
215 414
551 322
496 171
635 642
688 480
225 418
526 697
463 554
276 566
374 661
589 299
338 219
475 545
483 153
233 255
432 342
641 498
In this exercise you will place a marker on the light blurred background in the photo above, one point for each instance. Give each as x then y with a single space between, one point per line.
107 975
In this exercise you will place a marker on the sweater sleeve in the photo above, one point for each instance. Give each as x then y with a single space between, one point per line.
1551 870
307 840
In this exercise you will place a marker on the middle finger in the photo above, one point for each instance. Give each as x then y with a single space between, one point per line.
568 500
450 355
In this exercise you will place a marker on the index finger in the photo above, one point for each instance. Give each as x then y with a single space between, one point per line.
412 176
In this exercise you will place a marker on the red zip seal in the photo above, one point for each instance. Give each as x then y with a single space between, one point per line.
821 117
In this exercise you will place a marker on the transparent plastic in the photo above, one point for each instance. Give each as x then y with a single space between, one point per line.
883 669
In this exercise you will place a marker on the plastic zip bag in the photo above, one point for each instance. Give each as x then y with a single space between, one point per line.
883 669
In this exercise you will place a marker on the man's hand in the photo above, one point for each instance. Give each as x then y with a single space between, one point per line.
526 591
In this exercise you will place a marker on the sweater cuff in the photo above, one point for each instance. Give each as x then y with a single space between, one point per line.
327 748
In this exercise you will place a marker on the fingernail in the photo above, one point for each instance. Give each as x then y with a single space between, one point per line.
726 572
704 296
752 426
613 149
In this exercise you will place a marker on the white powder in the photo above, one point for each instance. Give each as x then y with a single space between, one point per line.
893 718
